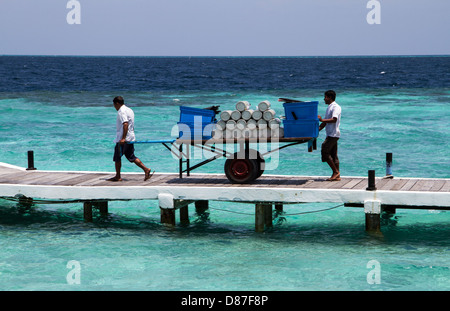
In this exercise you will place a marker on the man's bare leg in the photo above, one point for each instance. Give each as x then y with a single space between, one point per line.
336 174
144 168
118 166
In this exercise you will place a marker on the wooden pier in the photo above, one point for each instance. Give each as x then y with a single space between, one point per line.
173 193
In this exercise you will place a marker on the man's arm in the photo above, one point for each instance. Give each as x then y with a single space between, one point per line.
125 131
325 121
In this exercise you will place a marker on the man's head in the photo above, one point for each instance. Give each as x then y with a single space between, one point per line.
118 102
330 96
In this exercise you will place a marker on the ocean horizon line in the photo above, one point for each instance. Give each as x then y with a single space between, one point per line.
228 56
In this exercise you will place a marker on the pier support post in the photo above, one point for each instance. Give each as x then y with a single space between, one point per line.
25 202
168 216
184 215
201 209
102 207
372 209
87 207
167 206
279 207
201 206
259 217
263 216
184 210
389 209
268 215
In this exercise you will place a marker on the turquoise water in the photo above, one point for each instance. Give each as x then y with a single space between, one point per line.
131 250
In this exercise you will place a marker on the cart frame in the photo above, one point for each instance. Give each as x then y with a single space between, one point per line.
243 166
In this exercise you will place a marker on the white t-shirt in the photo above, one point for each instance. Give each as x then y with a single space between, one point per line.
333 111
125 114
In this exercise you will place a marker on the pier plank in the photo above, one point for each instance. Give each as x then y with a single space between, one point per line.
165 181
445 187
24 177
398 184
379 182
90 178
337 184
437 185
390 185
408 185
5 174
352 183
47 179
361 185
95 181
9 170
72 180
422 185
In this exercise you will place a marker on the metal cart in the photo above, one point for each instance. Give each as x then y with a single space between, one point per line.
242 166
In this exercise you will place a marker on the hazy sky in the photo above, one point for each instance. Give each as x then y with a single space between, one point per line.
225 28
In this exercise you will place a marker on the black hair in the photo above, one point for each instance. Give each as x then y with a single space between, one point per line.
331 94
119 100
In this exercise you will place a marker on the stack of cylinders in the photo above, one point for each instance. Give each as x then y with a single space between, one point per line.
225 115
236 115
247 114
264 105
269 114
241 124
257 115
248 123
242 106
221 125
231 125
252 124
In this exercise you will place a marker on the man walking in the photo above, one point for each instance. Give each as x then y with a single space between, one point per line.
125 134
331 124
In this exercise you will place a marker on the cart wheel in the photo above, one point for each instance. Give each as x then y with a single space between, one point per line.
241 171
260 164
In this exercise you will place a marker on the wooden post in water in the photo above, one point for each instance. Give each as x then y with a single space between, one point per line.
279 207
372 209
390 209
167 206
102 207
259 217
263 216
87 207
25 202
183 205
268 215
201 206
168 216
184 215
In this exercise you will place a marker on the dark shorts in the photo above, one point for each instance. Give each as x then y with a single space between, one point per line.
126 149
330 148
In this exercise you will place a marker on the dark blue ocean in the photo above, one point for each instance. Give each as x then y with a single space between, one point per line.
180 74
61 107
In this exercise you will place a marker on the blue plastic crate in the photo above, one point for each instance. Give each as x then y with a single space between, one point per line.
195 130
301 128
301 111
187 114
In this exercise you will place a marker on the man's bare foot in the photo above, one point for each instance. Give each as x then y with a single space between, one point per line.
335 177
148 174
115 178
